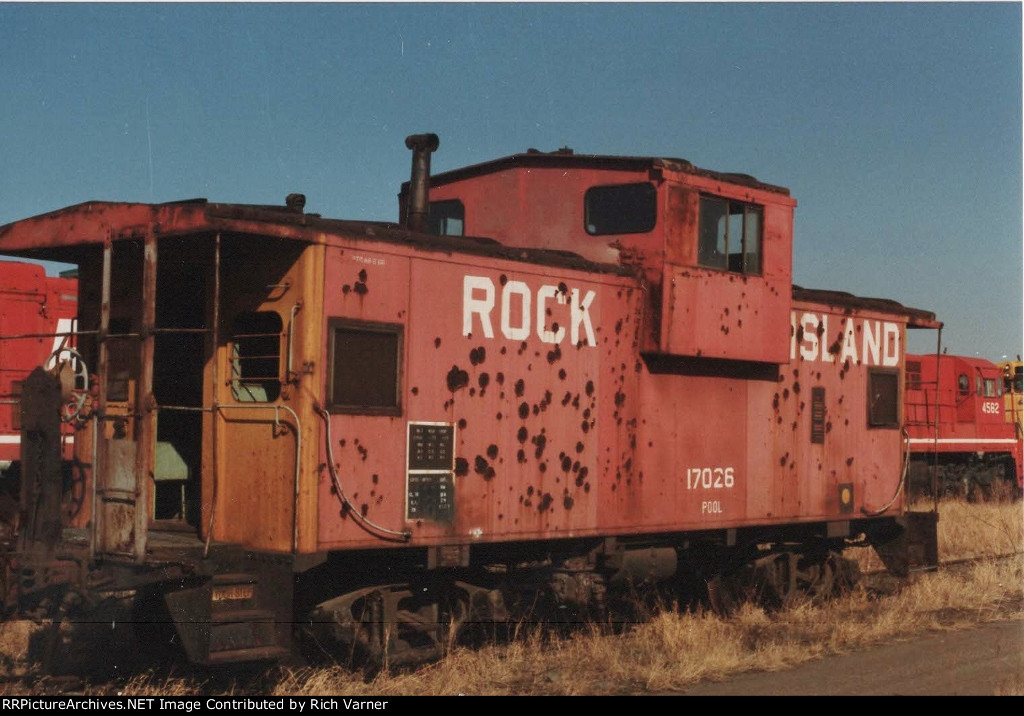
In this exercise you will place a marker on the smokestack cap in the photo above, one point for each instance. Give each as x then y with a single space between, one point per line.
422 142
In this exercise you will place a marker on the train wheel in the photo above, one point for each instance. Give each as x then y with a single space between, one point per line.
385 625
782 580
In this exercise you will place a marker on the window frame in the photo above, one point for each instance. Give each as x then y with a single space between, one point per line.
338 324
730 206
239 380
873 419
651 195
435 216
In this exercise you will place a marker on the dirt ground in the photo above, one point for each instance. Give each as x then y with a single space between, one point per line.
984 661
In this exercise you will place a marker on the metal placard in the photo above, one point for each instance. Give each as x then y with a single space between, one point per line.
430 472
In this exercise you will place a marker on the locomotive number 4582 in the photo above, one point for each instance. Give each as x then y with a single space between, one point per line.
710 478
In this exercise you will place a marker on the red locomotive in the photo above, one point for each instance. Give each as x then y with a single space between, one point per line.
558 377
961 442
37 314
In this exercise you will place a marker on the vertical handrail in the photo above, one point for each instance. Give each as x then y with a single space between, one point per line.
215 414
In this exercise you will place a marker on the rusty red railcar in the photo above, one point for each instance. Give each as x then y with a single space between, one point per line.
961 441
556 379
37 314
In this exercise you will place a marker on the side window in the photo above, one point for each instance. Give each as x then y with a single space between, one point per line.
256 357
913 375
620 209
990 388
729 235
447 218
883 399
365 368
963 384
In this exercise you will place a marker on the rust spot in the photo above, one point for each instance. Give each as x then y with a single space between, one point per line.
849 461
492 451
521 456
345 289
362 275
782 460
483 380
499 378
796 387
590 388
522 435
483 468
561 374
520 388
437 342
540 441
554 355
375 478
503 279
360 288
579 446
364 509
585 426
457 378
775 402
620 399
566 398
563 288
567 502
566 463
462 423
545 502
477 355
524 411
415 390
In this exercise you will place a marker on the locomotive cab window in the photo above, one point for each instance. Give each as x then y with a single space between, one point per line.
256 357
447 218
729 235
620 209
365 363
883 399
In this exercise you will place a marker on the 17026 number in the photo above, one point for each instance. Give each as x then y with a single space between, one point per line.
710 478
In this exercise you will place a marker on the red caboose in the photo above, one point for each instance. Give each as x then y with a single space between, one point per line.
559 377
960 439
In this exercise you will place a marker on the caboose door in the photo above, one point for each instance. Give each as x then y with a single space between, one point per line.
117 290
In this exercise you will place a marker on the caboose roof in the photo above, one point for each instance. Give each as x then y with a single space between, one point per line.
565 158
58 235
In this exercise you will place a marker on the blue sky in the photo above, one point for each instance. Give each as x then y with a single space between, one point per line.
896 126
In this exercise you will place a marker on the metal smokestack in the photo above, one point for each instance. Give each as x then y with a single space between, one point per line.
419 183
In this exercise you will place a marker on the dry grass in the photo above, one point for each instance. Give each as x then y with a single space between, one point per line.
675 650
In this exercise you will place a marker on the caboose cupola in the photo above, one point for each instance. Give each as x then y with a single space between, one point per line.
714 249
